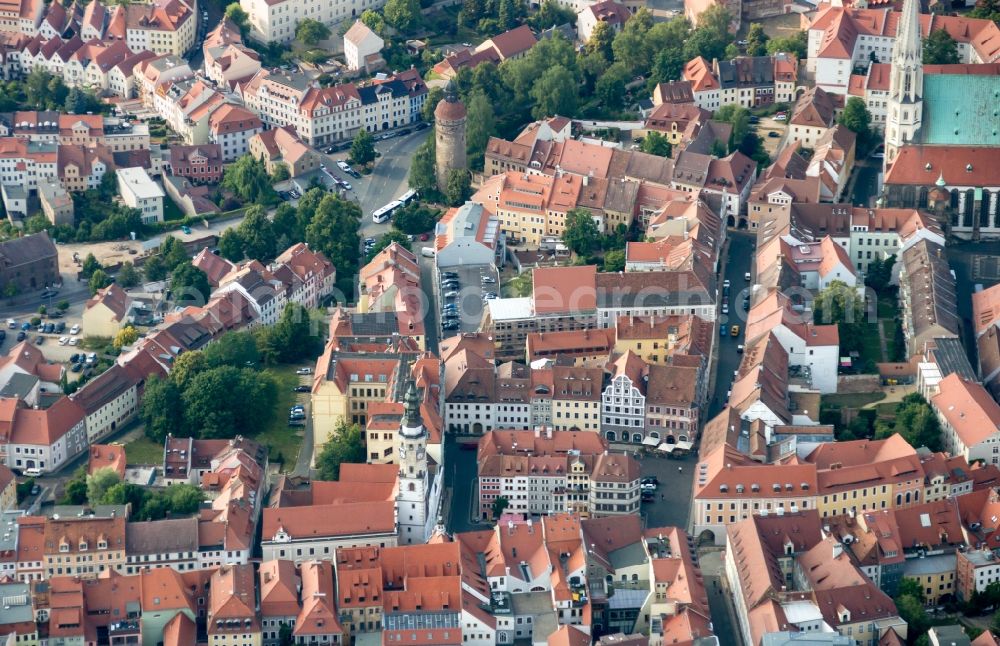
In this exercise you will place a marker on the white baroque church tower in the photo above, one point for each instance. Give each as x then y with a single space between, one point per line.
419 494
906 83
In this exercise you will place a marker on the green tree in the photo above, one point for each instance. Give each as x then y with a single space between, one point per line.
186 367
509 12
239 17
551 14
280 174
601 41
987 9
555 92
756 40
173 253
333 231
910 586
857 119
912 611
160 406
98 280
285 637
614 260
739 117
293 337
126 336
434 96
711 37
284 223
127 276
247 178
940 49
62 306
731 52
99 482
231 245
189 285
916 421
880 273
75 491
404 15
392 235
719 149
257 235
520 75
795 45
415 218
346 445
154 269
422 168
90 265
374 21
655 143
458 187
629 48
363 148
212 412
668 40
310 32
610 87
237 349
581 234
480 126
500 503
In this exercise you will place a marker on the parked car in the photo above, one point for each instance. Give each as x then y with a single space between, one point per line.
39 340
21 335
304 371
77 367
734 331
772 134
60 327
422 125
48 328
73 340
488 280
301 389
75 329
74 358
186 229
423 237
739 349
11 324
63 340
3 335
25 326
649 480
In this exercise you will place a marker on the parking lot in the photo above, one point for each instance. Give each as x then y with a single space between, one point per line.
772 133
466 300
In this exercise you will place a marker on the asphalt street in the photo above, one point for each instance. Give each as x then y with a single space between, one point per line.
387 181
741 249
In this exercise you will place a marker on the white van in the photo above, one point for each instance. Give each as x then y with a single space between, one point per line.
427 252
32 472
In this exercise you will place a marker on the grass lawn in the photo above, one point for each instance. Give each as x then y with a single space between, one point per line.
144 451
871 350
851 400
888 307
279 437
886 411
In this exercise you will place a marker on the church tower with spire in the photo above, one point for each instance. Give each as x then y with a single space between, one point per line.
412 506
906 83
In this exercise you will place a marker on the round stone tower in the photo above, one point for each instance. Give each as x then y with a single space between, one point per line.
449 135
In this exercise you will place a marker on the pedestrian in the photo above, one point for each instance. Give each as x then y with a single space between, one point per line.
680 469
662 497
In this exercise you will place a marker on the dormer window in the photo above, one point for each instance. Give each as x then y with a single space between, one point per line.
63 547
102 545
83 546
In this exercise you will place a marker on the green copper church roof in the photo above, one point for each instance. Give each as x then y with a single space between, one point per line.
961 109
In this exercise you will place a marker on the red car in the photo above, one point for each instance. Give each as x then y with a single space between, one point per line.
423 237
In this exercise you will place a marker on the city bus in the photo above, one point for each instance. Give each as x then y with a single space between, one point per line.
408 197
383 214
